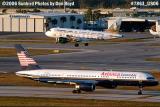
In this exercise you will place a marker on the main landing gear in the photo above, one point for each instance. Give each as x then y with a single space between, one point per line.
140 90
76 91
76 44
86 44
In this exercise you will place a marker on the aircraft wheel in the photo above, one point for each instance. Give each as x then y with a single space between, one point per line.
76 91
76 44
140 88
86 44
140 93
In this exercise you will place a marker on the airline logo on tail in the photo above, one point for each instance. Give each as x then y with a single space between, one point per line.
25 60
115 27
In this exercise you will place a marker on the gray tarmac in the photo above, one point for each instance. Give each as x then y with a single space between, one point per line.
99 94
128 56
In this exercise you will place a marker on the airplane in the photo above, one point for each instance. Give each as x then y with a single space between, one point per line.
65 35
155 30
83 80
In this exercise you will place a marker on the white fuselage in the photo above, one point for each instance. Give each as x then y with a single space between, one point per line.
86 74
78 33
84 80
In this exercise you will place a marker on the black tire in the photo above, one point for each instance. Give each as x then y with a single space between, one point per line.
140 93
74 91
78 91
76 44
86 44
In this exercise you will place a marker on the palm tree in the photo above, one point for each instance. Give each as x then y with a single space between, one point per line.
96 14
47 25
63 20
79 21
72 27
4 11
72 18
88 15
54 22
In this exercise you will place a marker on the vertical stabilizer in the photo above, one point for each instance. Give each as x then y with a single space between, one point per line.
26 62
115 27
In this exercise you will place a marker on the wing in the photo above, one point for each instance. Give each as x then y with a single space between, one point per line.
63 81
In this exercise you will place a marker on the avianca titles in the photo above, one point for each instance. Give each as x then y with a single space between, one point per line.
84 80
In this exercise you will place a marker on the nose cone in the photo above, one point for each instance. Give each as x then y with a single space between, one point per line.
22 73
48 33
119 36
116 36
122 36
19 73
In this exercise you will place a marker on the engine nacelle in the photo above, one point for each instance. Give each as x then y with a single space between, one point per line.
86 87
62 40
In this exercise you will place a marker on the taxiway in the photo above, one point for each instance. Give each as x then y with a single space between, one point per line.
99 94
122 56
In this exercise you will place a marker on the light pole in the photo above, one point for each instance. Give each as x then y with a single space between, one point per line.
64 6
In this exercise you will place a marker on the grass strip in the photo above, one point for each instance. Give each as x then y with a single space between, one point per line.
153 59
52 40
126 40
11 52
31 41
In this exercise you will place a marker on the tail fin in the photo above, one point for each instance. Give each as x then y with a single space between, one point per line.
26 62
115 27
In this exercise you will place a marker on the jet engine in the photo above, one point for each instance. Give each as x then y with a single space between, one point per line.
62 40
86 87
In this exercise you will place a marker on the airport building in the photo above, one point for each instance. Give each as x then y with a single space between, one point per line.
39 22
129 24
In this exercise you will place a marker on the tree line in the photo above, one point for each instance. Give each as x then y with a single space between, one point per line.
105 3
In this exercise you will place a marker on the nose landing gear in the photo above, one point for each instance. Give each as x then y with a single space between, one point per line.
77 89
140 88
85 44
76 44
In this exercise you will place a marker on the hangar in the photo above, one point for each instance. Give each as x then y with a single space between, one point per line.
39 22
129 24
